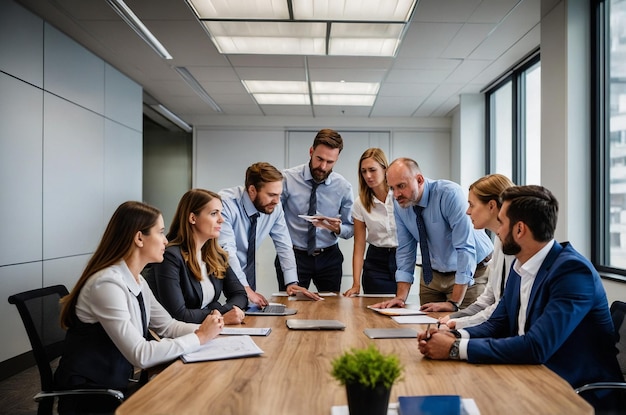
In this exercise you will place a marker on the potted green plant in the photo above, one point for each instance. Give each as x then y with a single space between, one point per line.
368 376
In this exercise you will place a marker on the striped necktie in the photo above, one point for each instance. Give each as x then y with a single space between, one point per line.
427 270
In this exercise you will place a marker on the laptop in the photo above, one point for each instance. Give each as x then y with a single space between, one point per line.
304 324
272 309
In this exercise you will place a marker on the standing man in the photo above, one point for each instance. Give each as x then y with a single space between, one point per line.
454 254
314 190
251 213
554 310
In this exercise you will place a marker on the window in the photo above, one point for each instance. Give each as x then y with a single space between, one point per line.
609 134
514 123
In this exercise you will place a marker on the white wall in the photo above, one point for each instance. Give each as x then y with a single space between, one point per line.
70 153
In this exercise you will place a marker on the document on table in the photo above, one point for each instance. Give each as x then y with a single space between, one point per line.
420 319
398 311
226 347
249 331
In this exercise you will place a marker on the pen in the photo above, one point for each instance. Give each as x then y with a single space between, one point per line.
428 331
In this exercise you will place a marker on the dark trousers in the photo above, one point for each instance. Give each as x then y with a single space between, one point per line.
324 269
379 271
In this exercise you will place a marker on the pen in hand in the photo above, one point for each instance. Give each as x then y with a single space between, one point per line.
428 331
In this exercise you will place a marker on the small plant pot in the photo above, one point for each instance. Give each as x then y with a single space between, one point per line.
367 401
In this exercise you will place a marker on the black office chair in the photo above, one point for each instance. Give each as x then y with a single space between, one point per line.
39 310
618 314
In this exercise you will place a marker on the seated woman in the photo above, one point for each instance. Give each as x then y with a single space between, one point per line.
484 205
195 268
108 312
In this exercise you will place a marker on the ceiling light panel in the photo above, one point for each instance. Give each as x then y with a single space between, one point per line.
276 87
279 38
346 100
241 9
363 88
282 99
354 10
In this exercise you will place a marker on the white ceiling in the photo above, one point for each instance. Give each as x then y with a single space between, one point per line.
451 47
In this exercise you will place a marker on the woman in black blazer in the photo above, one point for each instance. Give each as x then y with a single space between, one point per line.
195 270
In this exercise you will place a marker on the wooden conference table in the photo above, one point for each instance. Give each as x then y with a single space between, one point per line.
293 375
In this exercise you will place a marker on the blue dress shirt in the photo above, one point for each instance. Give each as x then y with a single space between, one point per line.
453 243
234 235
334 199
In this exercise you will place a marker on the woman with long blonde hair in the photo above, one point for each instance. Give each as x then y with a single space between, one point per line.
375 224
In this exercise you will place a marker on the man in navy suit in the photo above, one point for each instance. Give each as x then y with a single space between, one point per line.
554 310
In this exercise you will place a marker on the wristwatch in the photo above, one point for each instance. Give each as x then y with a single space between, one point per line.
454 350
456 306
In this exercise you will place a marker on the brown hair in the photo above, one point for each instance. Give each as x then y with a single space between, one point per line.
181 234
259 174
330 138
116 244
489 187
366 194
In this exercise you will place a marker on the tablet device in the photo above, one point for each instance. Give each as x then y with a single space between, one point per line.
390 333
272 309
303 324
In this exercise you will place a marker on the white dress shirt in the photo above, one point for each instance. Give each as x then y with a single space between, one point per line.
380 222
109 297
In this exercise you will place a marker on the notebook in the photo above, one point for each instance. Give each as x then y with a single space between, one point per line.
224 347
390 333
303 324
429 405
272 309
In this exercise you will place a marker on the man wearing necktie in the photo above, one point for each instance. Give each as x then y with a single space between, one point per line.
453 253
251 213
315 190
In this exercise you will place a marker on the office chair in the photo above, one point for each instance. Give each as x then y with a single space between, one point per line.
40 310
618 314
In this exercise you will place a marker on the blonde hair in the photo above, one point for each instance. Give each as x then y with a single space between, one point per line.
490 187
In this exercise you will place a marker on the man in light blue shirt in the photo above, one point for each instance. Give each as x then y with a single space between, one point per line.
325 197
259 198
458 253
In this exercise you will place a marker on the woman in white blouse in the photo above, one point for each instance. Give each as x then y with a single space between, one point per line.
484 205
375 224
108 312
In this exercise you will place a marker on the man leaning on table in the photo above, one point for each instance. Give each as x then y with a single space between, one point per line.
554 310
251 213
454 254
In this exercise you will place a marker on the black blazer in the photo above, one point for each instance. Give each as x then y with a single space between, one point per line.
180 292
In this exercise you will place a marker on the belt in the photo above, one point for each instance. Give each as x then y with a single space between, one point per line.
481 264
316 252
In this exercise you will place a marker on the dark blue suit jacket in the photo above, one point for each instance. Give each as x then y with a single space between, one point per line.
568 324
180 292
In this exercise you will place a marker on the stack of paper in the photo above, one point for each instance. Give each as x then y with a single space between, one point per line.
226 347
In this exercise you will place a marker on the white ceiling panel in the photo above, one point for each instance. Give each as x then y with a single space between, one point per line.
450 46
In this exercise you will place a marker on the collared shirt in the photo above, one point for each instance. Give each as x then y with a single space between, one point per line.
109 297
453 243
234 235
334 199
379 222
527 272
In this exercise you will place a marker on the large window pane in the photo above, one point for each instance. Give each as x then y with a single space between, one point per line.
501 108
617 133
532 124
